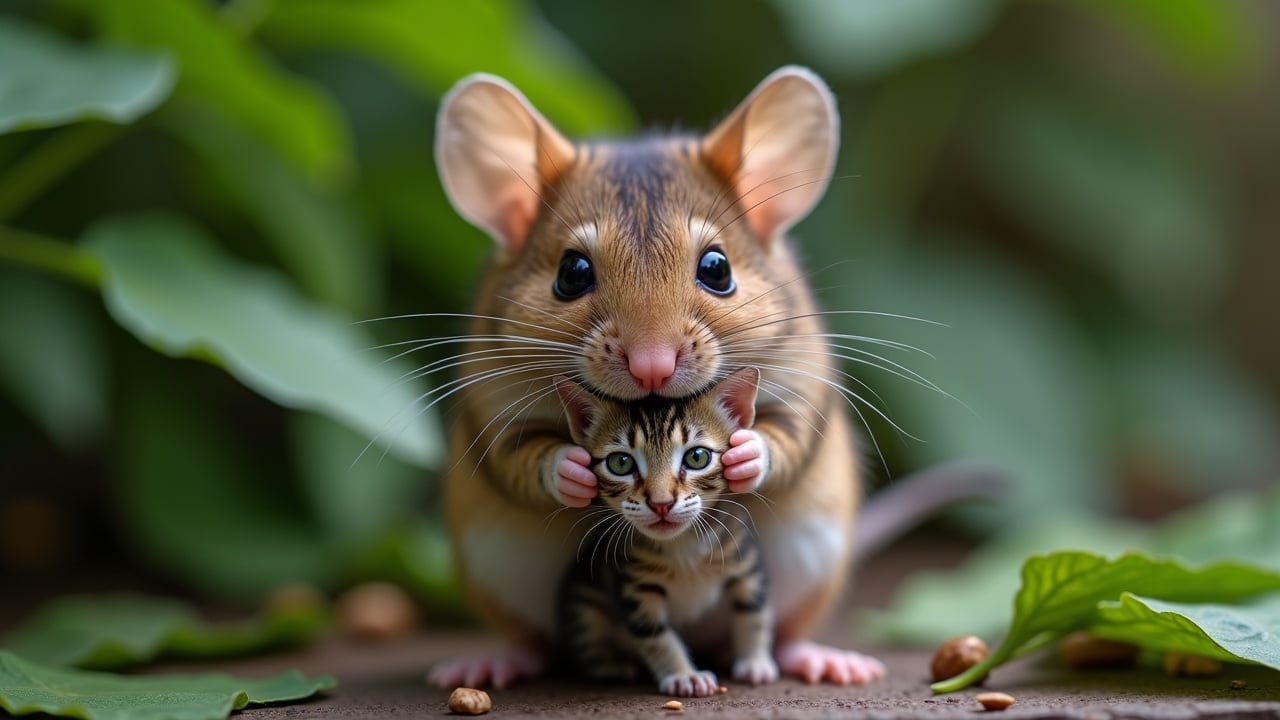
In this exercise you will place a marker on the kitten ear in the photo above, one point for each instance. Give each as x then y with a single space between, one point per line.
496 155
736 394
777 149
579 405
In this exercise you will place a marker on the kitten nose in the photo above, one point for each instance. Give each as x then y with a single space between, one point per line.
661 508
651 367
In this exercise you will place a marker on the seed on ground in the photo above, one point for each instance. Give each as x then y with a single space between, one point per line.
377 611
1179 664
1082 650
994 700
1239 684
469 701
674 705
957 655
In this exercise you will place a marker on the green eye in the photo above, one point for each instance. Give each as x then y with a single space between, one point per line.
697 458
620 463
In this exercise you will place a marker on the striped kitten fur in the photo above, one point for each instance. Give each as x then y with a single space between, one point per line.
671 565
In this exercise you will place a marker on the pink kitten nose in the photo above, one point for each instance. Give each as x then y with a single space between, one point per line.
661 508
651 367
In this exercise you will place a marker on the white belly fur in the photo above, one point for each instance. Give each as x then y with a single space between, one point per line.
520 570
800 554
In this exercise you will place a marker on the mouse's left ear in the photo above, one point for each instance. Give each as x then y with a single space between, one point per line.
777 149
497 155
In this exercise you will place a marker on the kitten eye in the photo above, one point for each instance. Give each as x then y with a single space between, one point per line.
575 276
714 273
697 458
620 463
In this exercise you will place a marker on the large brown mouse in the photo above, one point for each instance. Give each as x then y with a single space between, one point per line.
655 265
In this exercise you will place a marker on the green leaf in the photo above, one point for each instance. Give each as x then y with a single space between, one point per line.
165 282
115 631
53 356
49 82
223 69
504 37
1061 592
1229 633
865 39
27 687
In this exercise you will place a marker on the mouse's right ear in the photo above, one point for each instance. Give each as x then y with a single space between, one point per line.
496 155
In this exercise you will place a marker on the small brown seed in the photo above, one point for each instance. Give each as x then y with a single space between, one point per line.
376 611
469 701
1239 684
1178 664
994 700
1082 650
674 705
722 689
957 655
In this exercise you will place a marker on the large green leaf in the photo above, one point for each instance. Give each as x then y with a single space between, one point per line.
200 507
113 631
436 43
1231 633
1062 592
48 81
53 358
27 687
165 281
222 68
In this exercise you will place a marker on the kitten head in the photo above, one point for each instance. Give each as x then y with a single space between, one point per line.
658 459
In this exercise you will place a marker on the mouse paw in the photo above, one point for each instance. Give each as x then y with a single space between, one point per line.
699 683
746 462
498 670
573 484
815 663
755 670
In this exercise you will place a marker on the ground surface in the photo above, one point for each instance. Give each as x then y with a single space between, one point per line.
386 681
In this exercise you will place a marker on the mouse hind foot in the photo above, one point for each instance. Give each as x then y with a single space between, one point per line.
815 663
498 669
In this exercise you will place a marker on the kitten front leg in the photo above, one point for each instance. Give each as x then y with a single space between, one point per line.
659 646
747 461
752 624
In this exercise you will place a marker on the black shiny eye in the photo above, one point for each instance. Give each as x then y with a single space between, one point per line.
575 277
697 458
620 463
714 273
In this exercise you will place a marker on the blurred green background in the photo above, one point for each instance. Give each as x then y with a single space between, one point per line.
199 200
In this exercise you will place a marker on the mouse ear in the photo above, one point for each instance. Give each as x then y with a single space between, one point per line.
736 394
580 406
777 149
496 154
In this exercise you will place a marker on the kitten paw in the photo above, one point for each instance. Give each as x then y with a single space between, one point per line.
498 670
746 462
699 683
575 484
815 663
755 671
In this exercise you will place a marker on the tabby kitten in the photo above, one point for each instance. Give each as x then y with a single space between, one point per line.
671 565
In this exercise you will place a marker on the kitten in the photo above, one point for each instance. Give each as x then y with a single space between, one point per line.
671 565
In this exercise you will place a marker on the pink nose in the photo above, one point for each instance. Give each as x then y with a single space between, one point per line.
651 367
661 508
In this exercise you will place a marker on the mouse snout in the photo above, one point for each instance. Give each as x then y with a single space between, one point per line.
651 367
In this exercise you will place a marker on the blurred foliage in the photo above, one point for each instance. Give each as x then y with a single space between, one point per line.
234 183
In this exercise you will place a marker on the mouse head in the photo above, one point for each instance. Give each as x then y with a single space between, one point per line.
650 255
657 460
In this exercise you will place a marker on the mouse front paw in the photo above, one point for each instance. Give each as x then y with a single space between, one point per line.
573 484
755 670
746 462
699 683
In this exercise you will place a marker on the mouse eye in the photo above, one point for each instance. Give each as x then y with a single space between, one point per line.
575 276
714 273
620 463
697 458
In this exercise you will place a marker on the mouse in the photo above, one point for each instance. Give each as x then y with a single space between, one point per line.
643 267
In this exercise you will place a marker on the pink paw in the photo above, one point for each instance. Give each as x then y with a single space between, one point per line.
815 663
699 683
746 462
574 484
497 670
